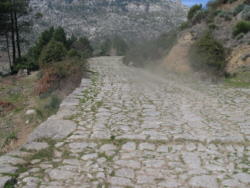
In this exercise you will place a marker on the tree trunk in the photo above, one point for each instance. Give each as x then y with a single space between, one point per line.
13 38
17 30
8 51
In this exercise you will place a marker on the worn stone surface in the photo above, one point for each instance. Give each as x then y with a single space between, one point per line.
204 181
135 129
36 146
56 129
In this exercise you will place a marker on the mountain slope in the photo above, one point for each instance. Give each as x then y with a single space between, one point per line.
96 19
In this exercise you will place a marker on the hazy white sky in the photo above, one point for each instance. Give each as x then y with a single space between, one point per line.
192 2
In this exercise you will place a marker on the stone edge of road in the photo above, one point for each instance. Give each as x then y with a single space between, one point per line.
61 129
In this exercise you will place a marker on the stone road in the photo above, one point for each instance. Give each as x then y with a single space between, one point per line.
130 128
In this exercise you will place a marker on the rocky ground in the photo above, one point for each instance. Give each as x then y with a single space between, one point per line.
130 128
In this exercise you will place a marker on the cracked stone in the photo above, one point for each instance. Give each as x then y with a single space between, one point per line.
120 181
146 146
129 146
36 146
125 172
204 181
57 174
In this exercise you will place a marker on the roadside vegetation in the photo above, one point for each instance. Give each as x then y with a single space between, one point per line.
48 72
207 54
217 30
228 28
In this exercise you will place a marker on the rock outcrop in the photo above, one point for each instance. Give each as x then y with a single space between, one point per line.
131 19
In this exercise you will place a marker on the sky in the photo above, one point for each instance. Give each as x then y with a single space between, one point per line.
192 2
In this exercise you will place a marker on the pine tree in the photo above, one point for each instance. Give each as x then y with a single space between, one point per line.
10 13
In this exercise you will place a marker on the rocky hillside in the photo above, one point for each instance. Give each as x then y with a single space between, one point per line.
132 19
220 35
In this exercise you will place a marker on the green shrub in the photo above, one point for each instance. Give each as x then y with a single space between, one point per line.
193 10
73 53
241 27
53 52
59 35
208 54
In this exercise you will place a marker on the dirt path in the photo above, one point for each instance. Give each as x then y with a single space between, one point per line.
133 129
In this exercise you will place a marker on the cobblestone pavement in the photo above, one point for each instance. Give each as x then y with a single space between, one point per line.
130 128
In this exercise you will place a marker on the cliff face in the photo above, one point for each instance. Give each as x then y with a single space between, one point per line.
132 19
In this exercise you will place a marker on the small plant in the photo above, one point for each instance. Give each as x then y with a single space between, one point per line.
10 136
241 27
11 183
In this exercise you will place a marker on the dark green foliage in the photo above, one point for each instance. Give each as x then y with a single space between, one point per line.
193 10
59 35
73 53
53 52
207 54
12 24
241 27
42 41
52 46
5 7
71 41
11 183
